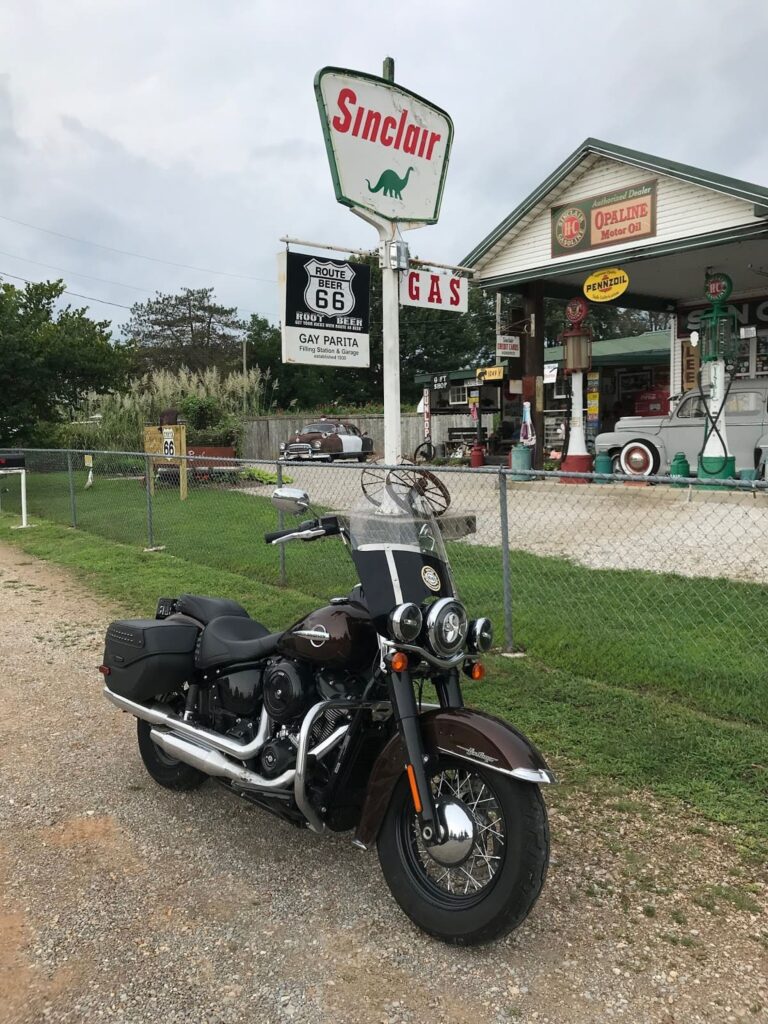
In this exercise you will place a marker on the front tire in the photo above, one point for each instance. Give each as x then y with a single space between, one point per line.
164 769
493 890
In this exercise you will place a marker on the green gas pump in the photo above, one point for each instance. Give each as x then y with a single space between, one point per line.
720 343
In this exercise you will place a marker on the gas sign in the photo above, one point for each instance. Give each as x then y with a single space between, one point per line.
429 290
388 148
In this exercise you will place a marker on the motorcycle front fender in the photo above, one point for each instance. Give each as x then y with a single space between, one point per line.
472 736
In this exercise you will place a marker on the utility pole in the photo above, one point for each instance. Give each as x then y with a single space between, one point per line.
245 374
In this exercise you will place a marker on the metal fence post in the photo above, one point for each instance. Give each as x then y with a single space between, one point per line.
148 489
281 526
72 501
505 562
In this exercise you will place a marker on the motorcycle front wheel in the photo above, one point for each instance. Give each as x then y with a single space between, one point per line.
485 880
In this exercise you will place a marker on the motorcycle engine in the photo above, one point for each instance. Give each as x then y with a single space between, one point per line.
288 689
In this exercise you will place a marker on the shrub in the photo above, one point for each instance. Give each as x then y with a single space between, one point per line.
262 476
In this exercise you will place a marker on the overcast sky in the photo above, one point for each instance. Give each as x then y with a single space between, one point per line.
187 130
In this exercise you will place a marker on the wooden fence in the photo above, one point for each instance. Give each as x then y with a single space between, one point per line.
263 435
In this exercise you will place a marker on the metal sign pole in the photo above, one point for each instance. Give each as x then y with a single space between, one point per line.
390 316
24 523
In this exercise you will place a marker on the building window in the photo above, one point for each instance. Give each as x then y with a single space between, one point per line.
458 395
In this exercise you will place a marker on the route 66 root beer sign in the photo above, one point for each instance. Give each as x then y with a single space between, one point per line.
388 148
325 311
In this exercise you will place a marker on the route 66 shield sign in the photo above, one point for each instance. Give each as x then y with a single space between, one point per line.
329 288
325 310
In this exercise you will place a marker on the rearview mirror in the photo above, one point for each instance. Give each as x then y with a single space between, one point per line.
290 499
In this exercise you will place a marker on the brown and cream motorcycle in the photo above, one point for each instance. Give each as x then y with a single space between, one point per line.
321 724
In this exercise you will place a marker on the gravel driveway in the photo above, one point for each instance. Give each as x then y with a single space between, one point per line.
121 901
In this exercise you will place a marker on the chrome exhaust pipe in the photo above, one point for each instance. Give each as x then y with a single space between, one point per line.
156 715
216 764
213 763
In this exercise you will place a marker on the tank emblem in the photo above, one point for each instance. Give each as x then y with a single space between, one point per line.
317 636
430 577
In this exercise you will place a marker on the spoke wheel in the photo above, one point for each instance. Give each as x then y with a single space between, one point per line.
467 881
403 484
425 452
373 481
483 881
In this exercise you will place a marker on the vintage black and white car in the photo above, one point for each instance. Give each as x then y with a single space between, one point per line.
326 440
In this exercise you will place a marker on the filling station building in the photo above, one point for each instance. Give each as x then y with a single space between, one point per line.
666 225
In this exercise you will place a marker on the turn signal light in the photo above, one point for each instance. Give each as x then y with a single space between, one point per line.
105 670
399 662
475 670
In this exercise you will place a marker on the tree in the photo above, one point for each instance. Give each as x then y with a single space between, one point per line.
187 329
49 358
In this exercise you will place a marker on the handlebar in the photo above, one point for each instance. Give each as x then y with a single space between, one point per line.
312 529
270 538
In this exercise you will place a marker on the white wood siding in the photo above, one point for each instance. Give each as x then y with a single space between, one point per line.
682 209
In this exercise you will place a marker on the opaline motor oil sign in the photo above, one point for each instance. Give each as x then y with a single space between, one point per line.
612 218
325 310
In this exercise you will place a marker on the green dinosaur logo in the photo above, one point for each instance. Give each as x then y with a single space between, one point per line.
390 183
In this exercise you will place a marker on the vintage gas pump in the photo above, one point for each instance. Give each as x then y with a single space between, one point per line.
720 344
577 342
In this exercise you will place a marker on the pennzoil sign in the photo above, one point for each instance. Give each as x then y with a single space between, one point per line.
611 218
604 285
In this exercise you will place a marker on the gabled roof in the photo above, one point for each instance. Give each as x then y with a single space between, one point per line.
595 148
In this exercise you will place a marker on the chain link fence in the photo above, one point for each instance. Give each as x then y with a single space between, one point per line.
658 585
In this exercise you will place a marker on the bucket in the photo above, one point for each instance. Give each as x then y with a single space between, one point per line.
519 460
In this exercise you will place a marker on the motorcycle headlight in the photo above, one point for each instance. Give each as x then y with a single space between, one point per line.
317 444
447 626
480 635
405 622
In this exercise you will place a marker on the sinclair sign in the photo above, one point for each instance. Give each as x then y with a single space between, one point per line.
388 148
612 218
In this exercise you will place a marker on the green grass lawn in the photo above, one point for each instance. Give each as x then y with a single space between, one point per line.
699 642
638 731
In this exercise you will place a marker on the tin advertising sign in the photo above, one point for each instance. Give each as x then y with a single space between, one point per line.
428 290
611 218
325 310
388 148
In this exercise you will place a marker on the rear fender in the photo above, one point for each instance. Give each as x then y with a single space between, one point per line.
470 736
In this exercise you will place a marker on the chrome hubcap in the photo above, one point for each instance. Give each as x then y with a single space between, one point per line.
468 860
458 832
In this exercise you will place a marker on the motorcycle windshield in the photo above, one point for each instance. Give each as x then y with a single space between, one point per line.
399 554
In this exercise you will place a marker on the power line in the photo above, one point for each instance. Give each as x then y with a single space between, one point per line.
90 277
75 273
135 255
91 298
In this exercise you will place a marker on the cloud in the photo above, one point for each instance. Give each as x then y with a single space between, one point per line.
189 130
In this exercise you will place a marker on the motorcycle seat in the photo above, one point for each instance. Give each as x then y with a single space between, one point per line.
204 609
232 639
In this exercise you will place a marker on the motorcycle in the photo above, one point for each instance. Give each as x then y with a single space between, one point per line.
324 723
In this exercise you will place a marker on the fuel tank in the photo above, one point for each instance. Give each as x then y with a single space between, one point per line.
338 635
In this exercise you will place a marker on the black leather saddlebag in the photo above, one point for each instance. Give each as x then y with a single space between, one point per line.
149 657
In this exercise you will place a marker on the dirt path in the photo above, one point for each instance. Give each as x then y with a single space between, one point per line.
121 901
